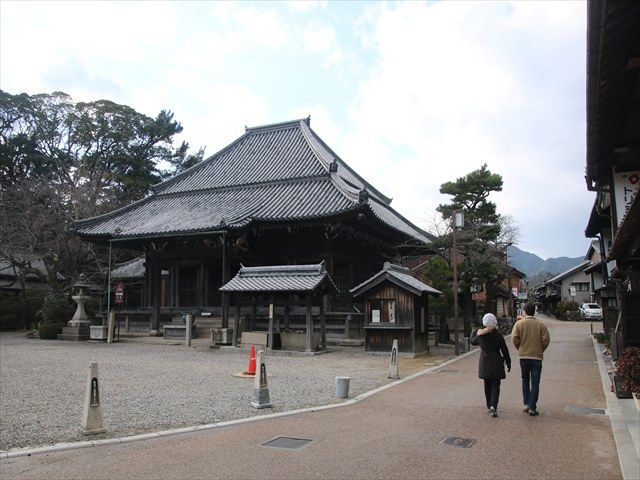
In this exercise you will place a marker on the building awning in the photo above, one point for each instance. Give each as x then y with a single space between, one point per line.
280 279
398 275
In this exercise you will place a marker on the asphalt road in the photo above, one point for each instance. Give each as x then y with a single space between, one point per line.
395 433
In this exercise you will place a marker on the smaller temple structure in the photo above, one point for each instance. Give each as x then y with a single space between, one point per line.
396 307
287 285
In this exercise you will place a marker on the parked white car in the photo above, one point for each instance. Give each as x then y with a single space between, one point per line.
590 311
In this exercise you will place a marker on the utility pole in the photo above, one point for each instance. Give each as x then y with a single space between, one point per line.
458 221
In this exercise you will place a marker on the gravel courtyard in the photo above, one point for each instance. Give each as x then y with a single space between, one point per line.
147 387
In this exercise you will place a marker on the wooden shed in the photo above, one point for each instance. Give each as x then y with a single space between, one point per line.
396 307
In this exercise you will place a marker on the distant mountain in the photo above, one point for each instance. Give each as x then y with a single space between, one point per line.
532 264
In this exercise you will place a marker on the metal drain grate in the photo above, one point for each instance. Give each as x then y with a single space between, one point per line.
585 410
458 442
287 443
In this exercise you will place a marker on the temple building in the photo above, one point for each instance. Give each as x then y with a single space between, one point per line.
278 195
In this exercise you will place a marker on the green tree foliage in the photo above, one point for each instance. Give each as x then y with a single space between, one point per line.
471 195
482 242
96 155
438 274
62 161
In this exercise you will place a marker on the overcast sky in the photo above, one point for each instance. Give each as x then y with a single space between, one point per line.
411 95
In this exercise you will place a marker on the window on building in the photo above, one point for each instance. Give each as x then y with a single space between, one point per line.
188 287
581 286
383 311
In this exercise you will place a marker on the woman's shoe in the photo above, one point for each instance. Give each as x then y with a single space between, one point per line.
492 412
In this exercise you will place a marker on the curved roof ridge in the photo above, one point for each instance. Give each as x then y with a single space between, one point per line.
87 221
239 186
278 125
408 222
334 156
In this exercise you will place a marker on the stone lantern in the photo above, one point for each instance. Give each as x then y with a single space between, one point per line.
77 328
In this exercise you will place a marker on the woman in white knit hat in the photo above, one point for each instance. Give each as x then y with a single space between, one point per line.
494 354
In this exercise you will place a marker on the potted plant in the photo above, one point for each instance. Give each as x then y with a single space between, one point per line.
628 370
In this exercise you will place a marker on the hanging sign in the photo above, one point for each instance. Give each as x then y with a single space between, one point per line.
119 294
626 186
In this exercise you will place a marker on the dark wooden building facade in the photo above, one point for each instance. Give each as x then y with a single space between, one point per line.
396 307
278 195
613 159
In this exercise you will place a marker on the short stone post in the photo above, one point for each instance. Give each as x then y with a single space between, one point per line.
92 413
260 398
393 361
187 335
111 325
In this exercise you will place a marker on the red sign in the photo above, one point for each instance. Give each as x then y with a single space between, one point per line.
119 293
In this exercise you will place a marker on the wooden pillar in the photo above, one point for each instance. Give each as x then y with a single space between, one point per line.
236 323
286 313
252 325
309 329
200 286
155 282
226 267
323 332
271 308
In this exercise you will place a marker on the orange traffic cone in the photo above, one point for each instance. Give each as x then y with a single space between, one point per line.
251 369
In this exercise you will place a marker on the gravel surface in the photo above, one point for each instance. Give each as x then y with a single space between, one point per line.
147 387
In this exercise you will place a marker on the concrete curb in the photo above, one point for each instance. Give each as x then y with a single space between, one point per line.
627 456
58 447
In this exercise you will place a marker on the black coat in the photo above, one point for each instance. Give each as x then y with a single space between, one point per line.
491 364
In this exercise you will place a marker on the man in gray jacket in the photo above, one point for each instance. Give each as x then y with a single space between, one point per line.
531 338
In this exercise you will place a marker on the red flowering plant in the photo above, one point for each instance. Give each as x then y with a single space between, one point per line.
628 369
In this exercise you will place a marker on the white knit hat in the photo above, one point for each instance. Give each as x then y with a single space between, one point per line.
489 320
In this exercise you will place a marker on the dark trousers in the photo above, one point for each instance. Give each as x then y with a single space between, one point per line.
492 392
531 371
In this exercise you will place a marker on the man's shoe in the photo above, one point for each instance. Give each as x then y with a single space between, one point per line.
525 408
492 412
533 412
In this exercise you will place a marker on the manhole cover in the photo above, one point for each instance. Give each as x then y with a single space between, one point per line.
585 410
458 442
287 443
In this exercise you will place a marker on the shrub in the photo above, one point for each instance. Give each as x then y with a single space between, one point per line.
56 309
565 306
628 369
50 331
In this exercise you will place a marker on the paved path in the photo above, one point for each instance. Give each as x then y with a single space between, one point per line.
392 434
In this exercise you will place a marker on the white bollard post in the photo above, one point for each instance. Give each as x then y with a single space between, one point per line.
393 361
187 335
260 398
92 413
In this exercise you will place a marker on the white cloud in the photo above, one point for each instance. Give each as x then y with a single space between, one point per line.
305 5
457 85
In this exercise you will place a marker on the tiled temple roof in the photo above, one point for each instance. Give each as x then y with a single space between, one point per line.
281 278
398 275
280 172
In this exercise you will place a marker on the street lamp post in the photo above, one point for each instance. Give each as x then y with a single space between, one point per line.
458 222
